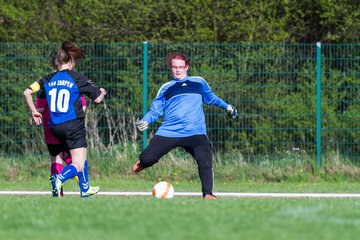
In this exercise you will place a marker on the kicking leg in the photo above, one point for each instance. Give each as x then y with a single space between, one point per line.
69 171
158 147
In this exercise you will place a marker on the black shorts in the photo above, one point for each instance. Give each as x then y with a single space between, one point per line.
72 133
197 145
55 149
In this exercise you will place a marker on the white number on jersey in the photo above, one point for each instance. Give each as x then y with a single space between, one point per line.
59 101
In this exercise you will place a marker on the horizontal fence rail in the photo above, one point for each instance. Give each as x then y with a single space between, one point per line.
293 99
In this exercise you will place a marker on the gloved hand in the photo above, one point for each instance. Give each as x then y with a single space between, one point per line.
232 112
141 125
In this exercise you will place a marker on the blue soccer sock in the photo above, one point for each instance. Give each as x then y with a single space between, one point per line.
68 172
84 178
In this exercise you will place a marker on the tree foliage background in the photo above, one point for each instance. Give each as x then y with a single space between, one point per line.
301 21
273 85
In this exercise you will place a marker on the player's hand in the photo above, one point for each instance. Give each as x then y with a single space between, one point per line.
101 96
102 90
232 112
36 118
31 121
141 125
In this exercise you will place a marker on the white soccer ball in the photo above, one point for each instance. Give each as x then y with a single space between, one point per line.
163 190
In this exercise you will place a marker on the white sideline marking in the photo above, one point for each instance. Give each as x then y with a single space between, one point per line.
193 194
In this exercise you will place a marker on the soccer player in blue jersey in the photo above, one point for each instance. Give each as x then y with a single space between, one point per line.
180 102
52 142
62 90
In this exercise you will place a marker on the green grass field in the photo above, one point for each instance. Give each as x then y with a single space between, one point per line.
120 217
143 217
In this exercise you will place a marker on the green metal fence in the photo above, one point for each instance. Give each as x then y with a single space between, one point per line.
293 99
340 100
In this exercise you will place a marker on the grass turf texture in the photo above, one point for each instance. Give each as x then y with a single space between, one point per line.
114 217
117 217
104 217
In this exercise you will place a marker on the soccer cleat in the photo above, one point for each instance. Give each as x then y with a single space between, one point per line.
62 191
210 196
77 179
56 185
90 192
137 167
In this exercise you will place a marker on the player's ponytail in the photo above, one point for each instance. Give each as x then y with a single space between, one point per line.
73 51
66 53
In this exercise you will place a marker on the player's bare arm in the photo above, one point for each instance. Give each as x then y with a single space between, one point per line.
36 116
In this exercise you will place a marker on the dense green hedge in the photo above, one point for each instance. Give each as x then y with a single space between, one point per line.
274 86
180 21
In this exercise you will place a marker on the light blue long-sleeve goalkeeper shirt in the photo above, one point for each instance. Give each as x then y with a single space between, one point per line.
181 103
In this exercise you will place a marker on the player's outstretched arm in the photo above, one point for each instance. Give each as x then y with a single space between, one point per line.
231 110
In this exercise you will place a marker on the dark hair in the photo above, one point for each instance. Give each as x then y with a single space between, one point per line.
180 56
66 53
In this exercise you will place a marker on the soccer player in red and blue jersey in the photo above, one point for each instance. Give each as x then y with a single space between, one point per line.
180 102
62 90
